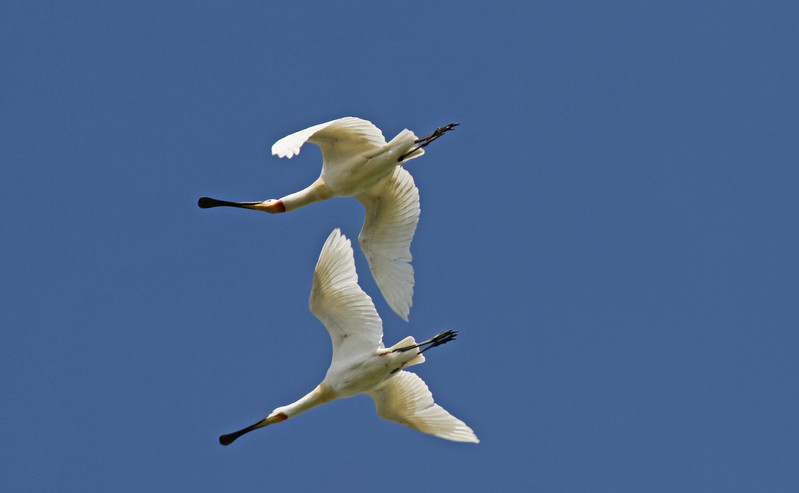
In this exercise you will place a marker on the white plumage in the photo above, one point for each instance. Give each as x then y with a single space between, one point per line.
361 363
405 399
358 162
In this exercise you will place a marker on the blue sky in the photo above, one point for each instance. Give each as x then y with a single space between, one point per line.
612 228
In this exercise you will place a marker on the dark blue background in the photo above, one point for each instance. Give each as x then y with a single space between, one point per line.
613 229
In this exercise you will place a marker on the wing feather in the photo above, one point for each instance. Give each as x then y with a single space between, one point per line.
340 304
392 213
344 136
405 399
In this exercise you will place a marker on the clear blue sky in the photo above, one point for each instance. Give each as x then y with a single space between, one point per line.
613 229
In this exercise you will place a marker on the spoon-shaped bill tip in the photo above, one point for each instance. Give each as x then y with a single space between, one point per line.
206 202
229 438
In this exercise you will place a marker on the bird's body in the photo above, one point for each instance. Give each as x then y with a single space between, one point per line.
360 363
358 162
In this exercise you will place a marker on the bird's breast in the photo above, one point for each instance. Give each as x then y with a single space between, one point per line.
361 376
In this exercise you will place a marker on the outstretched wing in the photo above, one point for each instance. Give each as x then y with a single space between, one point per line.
340 304
405 399
392 212
346 136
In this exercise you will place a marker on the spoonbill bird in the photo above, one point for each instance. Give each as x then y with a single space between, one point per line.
357 162
361 364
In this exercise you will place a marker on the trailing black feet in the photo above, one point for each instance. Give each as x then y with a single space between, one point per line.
439 339
430 138
442 338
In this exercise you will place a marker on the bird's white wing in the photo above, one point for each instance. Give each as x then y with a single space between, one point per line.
405 399
343 137
392 212
340 304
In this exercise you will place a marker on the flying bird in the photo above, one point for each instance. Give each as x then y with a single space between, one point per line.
361 364
357 162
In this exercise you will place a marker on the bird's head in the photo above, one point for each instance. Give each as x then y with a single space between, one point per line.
275 416
272 206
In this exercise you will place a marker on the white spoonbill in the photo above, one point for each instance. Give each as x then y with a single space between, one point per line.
361 364
357 162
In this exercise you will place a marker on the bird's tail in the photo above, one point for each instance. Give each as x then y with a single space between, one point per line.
406 343
404 142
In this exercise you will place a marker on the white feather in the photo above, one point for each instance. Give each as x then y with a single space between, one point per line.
405 399
341 305
392 213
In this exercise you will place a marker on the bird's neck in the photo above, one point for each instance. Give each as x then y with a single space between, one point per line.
320 395
317 191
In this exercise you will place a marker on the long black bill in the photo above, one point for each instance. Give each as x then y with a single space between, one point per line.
231 437
208 202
